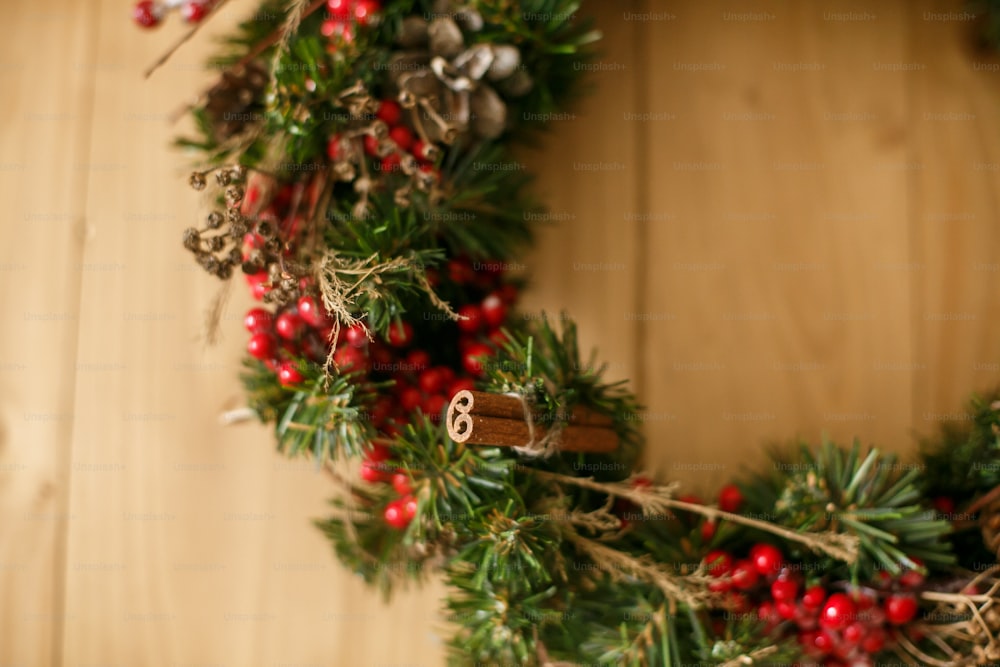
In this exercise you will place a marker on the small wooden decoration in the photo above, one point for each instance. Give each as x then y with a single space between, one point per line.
481 418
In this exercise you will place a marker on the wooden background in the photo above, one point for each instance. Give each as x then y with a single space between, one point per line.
777 218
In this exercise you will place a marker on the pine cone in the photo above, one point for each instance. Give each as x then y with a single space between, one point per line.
236 100
989 521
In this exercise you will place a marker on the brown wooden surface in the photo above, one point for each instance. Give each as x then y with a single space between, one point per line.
799 239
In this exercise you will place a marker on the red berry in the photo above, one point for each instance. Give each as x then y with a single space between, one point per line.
745 575
390 163
718 563
814 597
350 360
339 8
786 609
313 312
494 311
146 13
333 147
373 472
784 590
767 559
364 10
822 642
418 360
460 271
262 346
432 381
473 360
378 453
508 293
193 12
944 505
900 609
911 579
356 335
289 325
371 145
402 136
289 375
874 642
401 482
410 399
420 150
730 498
258 320
434 405
400 334
838 612
410 507
854 633
390 112
395 514
471 318
708 530
461 384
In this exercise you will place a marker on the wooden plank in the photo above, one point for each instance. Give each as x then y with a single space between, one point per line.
955 231
586 260
779 276
43 174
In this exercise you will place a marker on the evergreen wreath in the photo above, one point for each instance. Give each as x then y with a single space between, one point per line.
356 157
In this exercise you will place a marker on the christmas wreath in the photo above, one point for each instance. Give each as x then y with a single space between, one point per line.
356 157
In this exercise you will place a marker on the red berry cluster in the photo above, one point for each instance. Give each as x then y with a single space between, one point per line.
833 628
149 13
391 150
400 511
343 15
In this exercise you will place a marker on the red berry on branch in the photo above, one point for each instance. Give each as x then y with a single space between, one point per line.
418 360
786 609
508 293
371 145
460 271
900 609
461 384
356 335
814 597
838 612
364 10
421 150
395 514
874 642
258 320
313 312
373 472
390 112
402 136
400 334
146 13
194 12
745 575
433 406
401 482
475 358
337 29
432 381
944 505
409 507
339 8
730 498
784 590
262 346
911 579
289 375
471 318
854 633
350 360
494 311
718 563
767 559
708 527
289 325
334 147
410 398
390 163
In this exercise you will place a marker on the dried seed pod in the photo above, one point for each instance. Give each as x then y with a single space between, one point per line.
197 180
234 195
469 19
223 177
445 37
506 59
192 239
489 113
215 220
413 32
216 243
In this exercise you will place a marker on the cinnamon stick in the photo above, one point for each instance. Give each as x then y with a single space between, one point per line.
481 418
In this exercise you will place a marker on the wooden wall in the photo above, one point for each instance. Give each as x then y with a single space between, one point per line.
776 218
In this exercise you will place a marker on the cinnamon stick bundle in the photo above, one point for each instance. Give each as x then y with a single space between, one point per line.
481 418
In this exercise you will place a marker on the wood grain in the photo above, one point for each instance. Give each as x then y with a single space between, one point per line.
44 172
